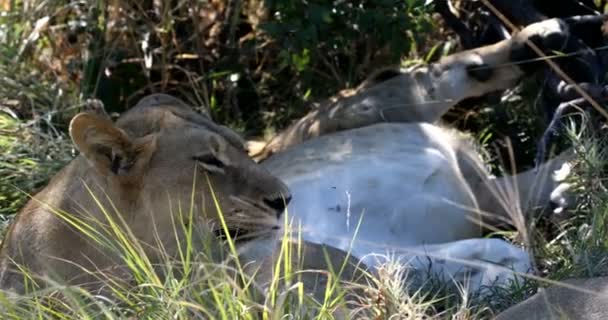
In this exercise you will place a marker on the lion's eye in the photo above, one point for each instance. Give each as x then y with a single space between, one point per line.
210 162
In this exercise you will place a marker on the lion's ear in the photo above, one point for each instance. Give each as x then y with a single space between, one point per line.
106 146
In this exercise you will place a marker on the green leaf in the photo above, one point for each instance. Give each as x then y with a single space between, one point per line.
301 61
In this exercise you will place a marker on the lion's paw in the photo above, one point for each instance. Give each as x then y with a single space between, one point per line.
548 36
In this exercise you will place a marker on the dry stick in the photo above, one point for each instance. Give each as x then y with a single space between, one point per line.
551 64
545 57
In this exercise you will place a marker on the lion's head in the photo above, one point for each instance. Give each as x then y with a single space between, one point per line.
159 161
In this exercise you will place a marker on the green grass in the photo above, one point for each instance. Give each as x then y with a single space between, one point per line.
578 245
205 279
34 106
194 282
28 157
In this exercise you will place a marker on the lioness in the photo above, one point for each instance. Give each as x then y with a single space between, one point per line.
574 299
153 164
375 167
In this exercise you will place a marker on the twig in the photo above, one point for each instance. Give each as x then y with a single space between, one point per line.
331 68
551 64
522 12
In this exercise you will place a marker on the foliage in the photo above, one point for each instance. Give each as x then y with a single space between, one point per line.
212 54
27 161
249 63
344 40
33 108
578 243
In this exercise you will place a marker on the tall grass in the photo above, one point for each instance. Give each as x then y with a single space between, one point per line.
577 246
34 102
204 277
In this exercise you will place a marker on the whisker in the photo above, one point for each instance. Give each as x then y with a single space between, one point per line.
248 203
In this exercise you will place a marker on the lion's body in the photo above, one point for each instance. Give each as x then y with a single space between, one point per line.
337 177
376 167
39 234
580 299
416 193
421 93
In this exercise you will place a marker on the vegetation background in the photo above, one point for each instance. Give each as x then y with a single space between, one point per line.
251 64
255 65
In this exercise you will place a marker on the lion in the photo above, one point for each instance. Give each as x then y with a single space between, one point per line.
369 171
581 299
158 159
373 171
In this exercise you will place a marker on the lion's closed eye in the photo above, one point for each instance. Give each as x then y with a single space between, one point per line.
210 162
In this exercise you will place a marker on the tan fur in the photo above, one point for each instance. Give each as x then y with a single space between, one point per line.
344 162
142 170
580 299
424 93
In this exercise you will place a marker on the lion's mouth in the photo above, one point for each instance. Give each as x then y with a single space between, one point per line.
236 234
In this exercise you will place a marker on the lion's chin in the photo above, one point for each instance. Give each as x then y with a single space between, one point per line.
260 247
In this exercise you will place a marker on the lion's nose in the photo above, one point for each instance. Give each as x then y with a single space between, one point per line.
278 202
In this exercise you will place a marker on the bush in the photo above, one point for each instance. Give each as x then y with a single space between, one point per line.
252 64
